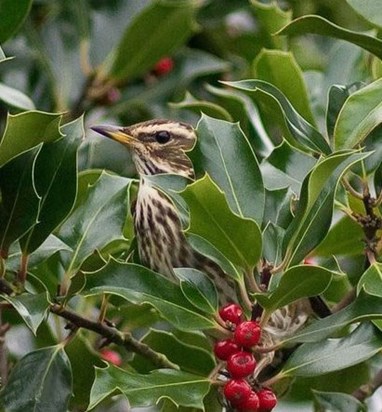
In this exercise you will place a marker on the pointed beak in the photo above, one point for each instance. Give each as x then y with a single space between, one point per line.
114 132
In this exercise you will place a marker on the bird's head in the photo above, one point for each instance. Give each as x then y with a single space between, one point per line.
157 146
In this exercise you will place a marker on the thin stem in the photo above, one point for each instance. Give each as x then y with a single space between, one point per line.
22 273
368 389
351 189
273 380
244 296
113 335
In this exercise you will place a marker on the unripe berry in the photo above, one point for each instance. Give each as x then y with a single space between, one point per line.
111 356
237 391
241 364
225 348
247 334
267 399
231 313
251 404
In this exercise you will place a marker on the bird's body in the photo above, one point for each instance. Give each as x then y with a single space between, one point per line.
159 146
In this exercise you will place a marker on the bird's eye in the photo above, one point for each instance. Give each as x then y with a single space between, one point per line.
162 137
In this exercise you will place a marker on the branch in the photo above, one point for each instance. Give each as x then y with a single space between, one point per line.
367 390
124 339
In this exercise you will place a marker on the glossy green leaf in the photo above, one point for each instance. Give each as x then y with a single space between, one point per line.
300 129
15 98
198 289
338 402
336 98
314 214
344 238
32 308
319 25
223 151
26 130
369 9
365 307
56 183
51 246
273 236
202 106
281 69
243 110
278 207
163 26
204 247
239 239
296 283
139 285
181 388
83 358
45 378
359 116
197 361
313 359
371 280
20 202
98 220
286 166
272 17
12 16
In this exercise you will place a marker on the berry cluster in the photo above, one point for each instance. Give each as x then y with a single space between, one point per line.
241 363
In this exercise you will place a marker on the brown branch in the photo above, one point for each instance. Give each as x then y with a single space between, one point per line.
113 335
364 391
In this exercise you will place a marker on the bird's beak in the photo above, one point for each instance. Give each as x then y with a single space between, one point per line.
116 133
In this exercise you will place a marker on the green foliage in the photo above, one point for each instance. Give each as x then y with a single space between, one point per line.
286 198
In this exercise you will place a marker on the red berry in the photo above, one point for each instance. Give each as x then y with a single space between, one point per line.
225 348
237 391
251 404
231 313
268 400
163 66
247 334
111 356
241 364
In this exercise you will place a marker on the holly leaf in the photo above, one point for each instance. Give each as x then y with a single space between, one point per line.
46 378
162 27
319 358
359 116
314 214
238 238
31 307
182 388
198 289
198 360
338 402
365 307
20 202
26 130
140 285
296 283
318 25
224 152
302 131
56 183
98 219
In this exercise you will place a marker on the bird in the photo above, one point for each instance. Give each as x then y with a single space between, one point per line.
159 146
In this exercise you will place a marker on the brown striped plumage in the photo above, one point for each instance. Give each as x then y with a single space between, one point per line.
159 146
